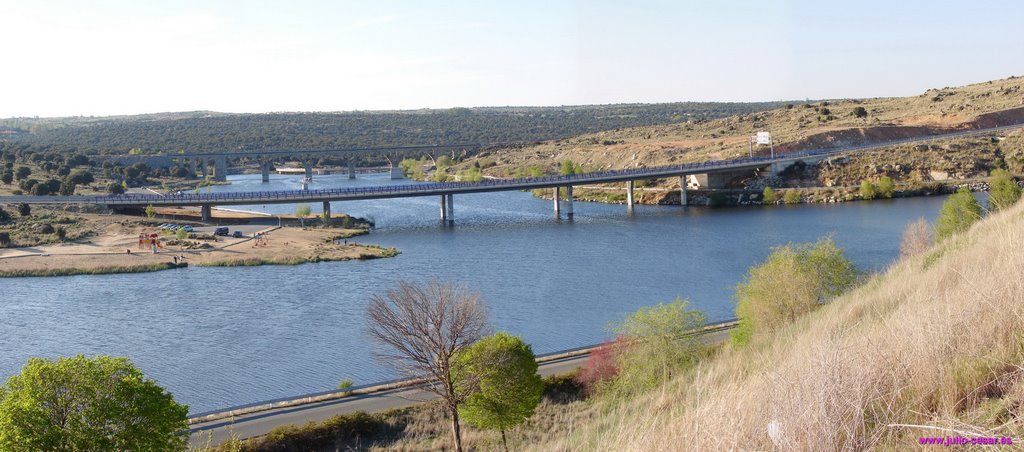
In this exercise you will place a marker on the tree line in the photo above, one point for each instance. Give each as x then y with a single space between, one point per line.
205 131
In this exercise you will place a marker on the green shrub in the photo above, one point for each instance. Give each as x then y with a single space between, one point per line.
957 214
791 197
471 175
792 281
1003 190
567 168
657 346
868 190
886 187
770 197
301 212
407 165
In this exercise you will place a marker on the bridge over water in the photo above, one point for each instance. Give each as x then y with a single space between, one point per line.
712 172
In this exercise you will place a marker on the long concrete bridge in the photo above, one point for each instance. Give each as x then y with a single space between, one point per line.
712 172
199 163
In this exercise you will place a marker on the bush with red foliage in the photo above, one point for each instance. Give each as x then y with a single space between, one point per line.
601 366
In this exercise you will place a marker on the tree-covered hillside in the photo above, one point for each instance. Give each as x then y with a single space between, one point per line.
209 131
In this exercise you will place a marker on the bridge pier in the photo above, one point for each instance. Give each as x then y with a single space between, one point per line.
327 211
568 202
554 191
629 196
203 167
265 170
444 210
205 212
195 167
396 173
220 168
308 166
352 170
682 191
451 210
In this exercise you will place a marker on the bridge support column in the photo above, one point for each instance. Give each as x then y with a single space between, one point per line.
308 165
352 170
568 202
396 173
220 168
444 209
327 210
682 191
451 210
195 168
203 167
629 196
555 196
265 170
205 212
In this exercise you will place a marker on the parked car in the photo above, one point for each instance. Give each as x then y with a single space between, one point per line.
237 234
223 230
187 228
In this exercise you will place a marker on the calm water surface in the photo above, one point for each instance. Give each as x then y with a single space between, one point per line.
218 337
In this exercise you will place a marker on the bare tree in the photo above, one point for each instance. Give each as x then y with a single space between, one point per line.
424 326
917 238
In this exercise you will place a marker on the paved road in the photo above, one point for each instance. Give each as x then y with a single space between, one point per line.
257 424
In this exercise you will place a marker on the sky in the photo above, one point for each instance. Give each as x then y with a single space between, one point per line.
111 57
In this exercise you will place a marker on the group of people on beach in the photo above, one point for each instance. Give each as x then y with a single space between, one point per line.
147 241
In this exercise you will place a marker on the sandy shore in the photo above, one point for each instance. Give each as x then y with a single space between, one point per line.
107 252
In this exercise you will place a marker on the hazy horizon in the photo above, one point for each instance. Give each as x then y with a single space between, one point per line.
116 57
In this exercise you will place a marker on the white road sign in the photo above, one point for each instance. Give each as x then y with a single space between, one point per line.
764 138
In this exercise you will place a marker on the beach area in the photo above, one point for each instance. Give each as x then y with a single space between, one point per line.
123 244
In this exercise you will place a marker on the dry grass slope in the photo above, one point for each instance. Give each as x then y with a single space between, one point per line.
799 127
933 347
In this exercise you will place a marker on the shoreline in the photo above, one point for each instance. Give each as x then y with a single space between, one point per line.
661 196
379 253
116 248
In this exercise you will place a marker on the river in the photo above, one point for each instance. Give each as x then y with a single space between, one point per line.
218 337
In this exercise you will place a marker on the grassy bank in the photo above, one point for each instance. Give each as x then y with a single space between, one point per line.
348 234
378 253
932 347
90 271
